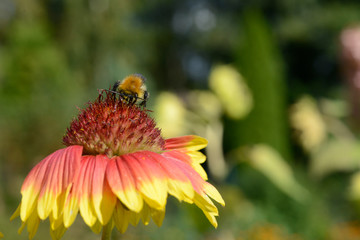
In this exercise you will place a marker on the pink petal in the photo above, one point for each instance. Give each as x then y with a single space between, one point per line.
103 199
178 142
47 180
122 184
190 142
195 179
149 179
83 189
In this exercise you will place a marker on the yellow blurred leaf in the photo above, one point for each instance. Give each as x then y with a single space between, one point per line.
310 127
354 192
170 115
206 104
269 162
336 155
228 84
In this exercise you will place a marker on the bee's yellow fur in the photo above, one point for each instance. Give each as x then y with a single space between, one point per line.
132 89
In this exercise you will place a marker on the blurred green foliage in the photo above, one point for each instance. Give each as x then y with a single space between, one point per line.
260 62
277 182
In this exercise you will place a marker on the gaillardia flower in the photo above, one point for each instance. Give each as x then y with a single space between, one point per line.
115 170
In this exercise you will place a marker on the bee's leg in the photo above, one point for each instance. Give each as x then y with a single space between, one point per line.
143 103
132 99
113 95
122 97
136 98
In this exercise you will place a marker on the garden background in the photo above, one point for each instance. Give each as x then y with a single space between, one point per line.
273 86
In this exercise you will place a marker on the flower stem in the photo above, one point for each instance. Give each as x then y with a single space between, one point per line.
107 229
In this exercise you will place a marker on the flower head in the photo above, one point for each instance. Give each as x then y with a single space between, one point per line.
115 170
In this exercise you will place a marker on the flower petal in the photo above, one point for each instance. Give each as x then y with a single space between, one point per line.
71 206
121 217
178 183
83 187
47 180
186 149
149 178
190 142
134 217
79 196
145 214
122 184
193 176
211 217
57 210
58 232
212 192
32 224
55 223
31 188
201 187
157 216
205 203
16 213
103 198
196 156
184 157
208 208
96 228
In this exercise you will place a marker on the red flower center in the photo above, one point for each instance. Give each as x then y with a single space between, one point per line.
109 126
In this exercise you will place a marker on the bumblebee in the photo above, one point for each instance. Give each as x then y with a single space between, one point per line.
132 89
